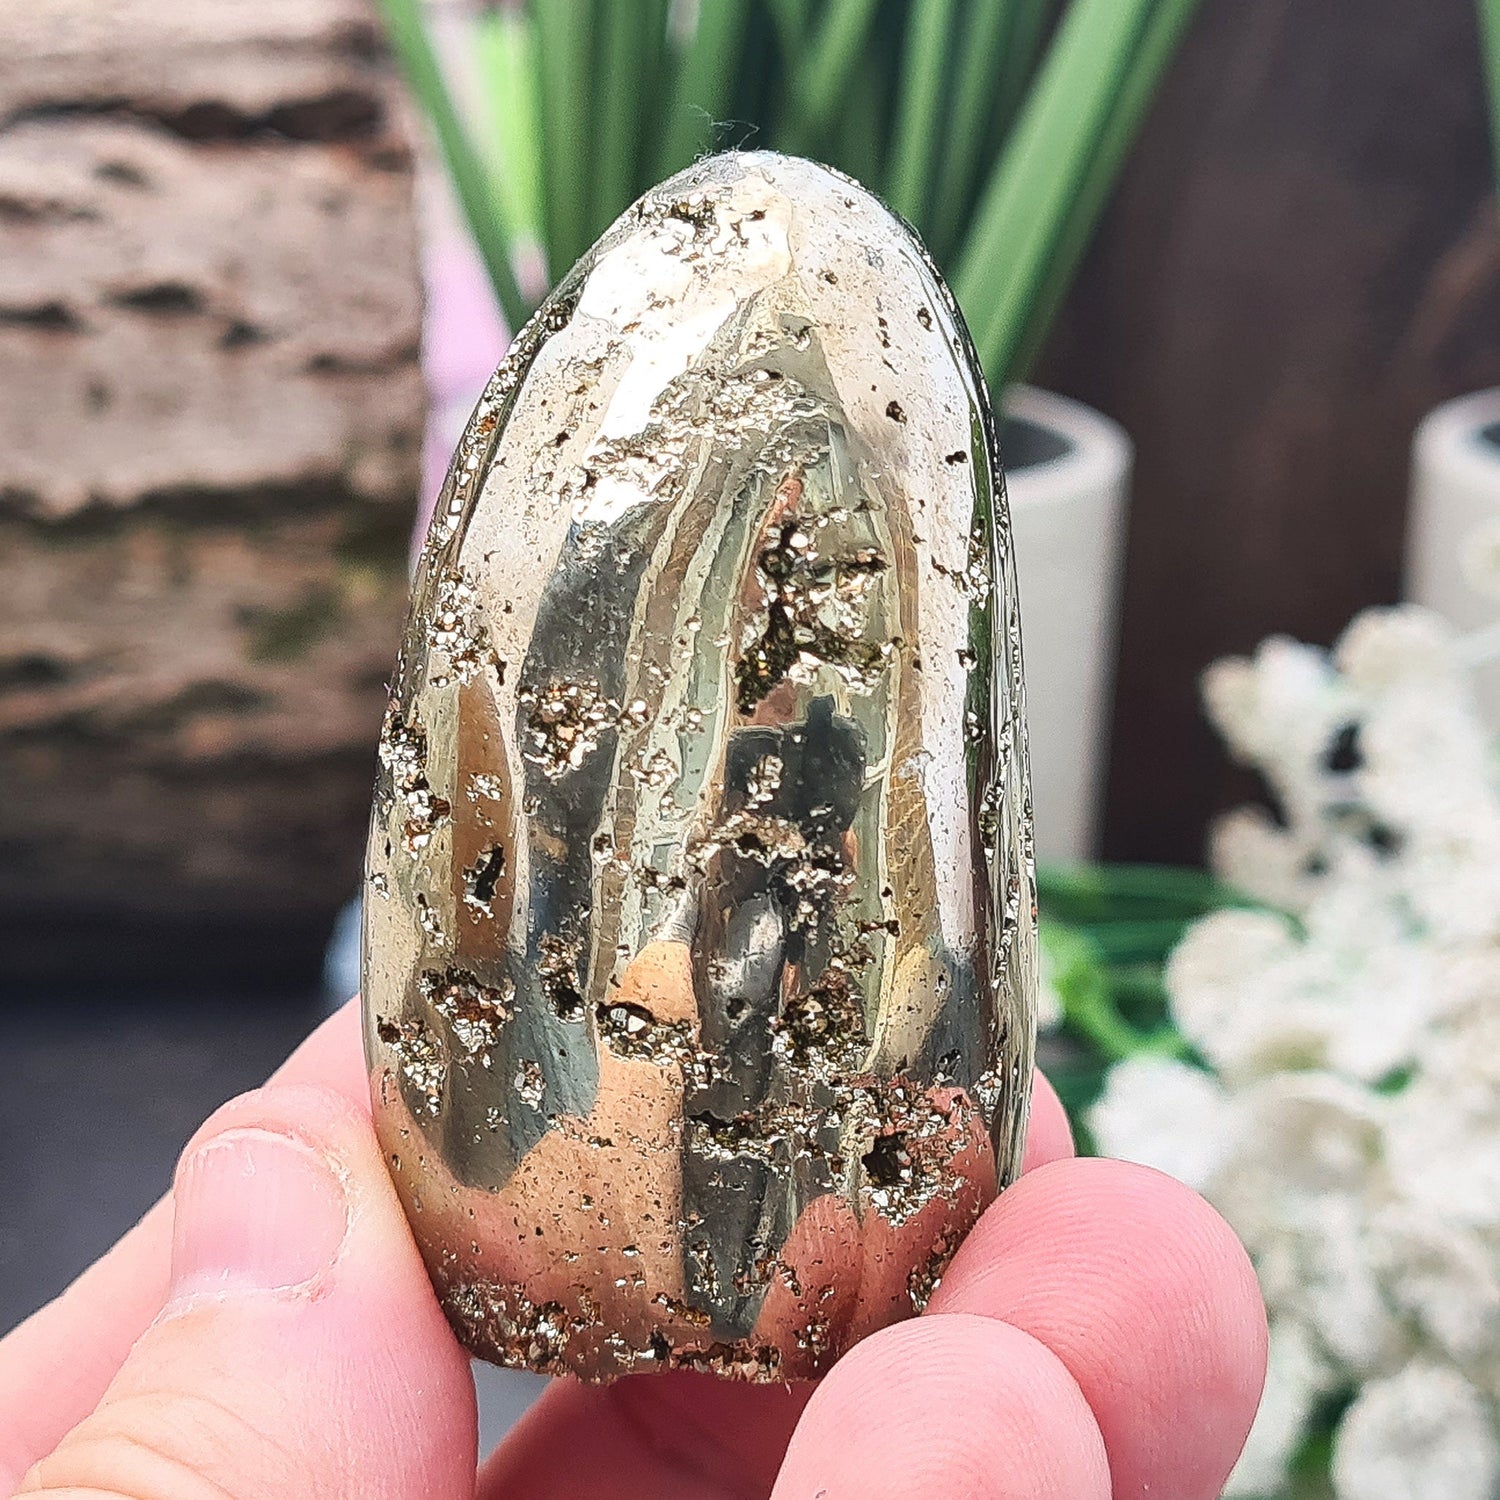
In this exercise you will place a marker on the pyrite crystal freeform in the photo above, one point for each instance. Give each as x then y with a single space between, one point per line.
699 928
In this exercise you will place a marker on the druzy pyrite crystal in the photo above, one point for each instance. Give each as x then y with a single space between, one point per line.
699 927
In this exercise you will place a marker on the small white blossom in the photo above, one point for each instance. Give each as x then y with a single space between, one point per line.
1255 999
1296 1376
1164 1114
1442 1146
1207 977
1253 854
1278 712
1350 1130
1443 1282
1392 648
1300 1187
1422 1433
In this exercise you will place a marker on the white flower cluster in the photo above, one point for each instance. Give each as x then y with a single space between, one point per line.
1350 1127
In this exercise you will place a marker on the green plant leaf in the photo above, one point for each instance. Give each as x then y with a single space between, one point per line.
1025 205
1137 942
790 20
1007 158
1079 971
653 89
918 138
821 67
1115 892
1159 44
1029 29
703 85
978 48
565 53
507 67
619 68
1489 40
481 204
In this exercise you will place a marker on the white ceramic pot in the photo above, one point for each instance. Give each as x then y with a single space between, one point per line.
1068 476
1454 523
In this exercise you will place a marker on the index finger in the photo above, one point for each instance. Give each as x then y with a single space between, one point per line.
1099 1334
1145 1295
55 1366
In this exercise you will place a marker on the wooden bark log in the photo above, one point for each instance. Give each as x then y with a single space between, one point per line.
210 422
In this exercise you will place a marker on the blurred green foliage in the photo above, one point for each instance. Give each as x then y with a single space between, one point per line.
1107 932
1489 40
997 127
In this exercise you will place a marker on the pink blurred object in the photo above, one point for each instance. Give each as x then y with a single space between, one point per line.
463 338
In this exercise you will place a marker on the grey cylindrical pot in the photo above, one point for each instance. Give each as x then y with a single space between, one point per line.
1068 476
700 930
1454 527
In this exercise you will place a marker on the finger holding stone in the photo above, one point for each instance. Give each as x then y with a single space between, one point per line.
55 1366
1049 1136
1145 1295
299 1343
966 1408
673 1436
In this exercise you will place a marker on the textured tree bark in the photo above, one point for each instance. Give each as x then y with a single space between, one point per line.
1304 258
210 423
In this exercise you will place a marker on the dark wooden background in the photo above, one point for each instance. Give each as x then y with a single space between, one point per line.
1303 258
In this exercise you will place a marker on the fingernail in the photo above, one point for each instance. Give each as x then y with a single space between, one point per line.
254 1211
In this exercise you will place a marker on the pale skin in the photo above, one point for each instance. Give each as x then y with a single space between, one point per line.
268 1331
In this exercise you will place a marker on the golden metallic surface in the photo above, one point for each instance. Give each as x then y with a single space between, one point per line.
699 933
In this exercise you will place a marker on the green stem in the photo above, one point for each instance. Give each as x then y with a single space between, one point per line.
1159 45
918 138
1025 205
564 34
492 232
704 83
1489 38
969 103
620 71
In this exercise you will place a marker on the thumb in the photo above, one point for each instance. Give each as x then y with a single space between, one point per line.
301 1352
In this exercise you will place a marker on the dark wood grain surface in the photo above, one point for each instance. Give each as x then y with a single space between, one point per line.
1304 257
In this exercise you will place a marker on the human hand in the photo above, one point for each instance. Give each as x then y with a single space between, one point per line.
269 1331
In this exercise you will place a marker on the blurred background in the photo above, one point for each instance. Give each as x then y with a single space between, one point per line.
257 257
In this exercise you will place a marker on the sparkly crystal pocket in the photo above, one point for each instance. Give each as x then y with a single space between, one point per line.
699 926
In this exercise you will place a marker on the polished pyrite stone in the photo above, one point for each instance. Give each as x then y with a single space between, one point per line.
699 944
